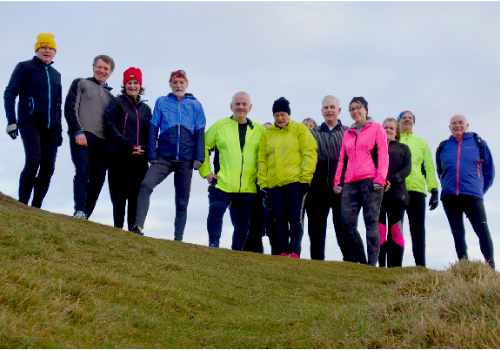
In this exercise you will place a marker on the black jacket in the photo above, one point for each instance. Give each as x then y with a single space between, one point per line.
399 169
127 124
329 143
38 86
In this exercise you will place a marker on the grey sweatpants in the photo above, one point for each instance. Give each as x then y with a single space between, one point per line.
159 170
355 196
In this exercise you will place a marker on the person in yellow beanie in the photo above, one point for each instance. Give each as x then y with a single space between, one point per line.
38 120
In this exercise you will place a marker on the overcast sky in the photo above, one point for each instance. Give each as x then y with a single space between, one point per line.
435 59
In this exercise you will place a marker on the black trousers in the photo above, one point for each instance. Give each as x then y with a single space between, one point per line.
416 218
261 224
318 206
91 164
40 150
455 207
125 175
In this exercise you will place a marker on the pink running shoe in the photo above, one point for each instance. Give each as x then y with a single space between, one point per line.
294 256
284 254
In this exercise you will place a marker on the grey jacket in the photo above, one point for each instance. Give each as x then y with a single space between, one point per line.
85 105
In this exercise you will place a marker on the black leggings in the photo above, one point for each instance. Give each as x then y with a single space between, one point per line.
40 148
416 218
391 234
473 207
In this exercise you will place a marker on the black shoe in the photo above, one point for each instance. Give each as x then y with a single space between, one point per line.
137 230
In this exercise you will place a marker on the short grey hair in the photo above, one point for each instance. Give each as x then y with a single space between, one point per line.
330 97
239 93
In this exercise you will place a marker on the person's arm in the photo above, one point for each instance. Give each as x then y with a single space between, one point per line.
309 149
205 168
11 92
488 168
339 173
262 162
199 135
115 126
430 171
154 128
400 176
71 109
146 126
382 157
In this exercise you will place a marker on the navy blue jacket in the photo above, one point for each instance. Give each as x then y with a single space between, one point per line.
461 169
38 86
127 124
181 125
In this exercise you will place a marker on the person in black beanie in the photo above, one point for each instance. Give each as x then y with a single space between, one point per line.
287 159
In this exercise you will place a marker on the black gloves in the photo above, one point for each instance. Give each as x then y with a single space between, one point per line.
434 201
12 131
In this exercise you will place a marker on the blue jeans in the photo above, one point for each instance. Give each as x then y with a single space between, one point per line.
240 209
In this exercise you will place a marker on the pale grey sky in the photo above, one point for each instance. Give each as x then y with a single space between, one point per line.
435 59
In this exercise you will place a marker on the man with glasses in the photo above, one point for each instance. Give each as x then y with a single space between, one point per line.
176 144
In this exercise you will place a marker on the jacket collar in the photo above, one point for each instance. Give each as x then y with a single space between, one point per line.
249 121
187 96
369 122
39 61
323 127
104 86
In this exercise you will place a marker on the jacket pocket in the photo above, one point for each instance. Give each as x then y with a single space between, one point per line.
31 105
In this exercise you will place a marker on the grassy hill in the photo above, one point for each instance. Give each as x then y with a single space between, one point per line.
67 283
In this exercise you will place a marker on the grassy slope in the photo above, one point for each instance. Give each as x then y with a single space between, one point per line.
67 283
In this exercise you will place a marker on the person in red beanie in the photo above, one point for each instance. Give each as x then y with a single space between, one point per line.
127 120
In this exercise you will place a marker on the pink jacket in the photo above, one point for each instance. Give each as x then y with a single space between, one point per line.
358 152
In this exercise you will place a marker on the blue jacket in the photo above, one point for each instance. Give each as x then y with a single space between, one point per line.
39 88
181 128
465 167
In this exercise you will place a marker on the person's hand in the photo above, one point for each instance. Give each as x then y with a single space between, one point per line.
378 187
211 177
137 150
388 186
337 189
196 164
81 140
434 201
12 131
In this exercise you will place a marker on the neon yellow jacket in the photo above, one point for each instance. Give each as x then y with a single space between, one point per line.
420 155
237 170
286 155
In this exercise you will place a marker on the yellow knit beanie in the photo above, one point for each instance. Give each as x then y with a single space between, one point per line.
45 39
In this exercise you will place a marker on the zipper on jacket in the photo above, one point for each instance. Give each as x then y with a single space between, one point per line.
459 151
178 129
125 124
49 92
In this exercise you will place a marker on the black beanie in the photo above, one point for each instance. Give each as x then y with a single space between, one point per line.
281 105
361 100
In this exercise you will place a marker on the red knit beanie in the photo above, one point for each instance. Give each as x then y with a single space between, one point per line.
132 73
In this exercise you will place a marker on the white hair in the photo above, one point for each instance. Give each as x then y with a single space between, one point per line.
241 93
330 98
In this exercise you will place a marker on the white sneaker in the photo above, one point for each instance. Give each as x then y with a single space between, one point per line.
79 214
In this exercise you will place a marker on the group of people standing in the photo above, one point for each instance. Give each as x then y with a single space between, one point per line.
269 176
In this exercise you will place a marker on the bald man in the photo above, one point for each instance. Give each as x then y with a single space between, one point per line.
466 171
232 180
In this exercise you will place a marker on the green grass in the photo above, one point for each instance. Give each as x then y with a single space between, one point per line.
66 283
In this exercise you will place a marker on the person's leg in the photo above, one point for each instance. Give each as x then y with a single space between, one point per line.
382 227
317 208
295 202
182 183
218 201
98 165
117 182
351 206
371 200
340 233
416 218
30 136
396 242
49 145
256 230
139 170
454 212
158 171
80 158
280 232
474 209
241 211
